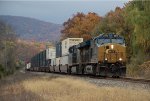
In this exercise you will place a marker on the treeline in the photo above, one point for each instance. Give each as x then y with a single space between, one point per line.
7 50
26 49
132 21
14 52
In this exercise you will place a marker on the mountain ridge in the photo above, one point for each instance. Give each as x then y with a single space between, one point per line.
28 28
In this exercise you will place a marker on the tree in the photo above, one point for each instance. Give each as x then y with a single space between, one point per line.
7 47
138 17
80 25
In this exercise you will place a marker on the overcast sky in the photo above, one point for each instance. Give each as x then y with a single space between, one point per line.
57 11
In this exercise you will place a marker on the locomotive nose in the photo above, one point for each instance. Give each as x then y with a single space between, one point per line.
113 53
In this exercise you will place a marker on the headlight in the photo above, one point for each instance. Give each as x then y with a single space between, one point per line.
112 46
120 59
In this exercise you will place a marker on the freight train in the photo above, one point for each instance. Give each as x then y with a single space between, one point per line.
104 55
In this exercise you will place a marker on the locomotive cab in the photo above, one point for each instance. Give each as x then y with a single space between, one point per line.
111 54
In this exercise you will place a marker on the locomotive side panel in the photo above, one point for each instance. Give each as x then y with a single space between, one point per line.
94 52
57 67
64 63
74 55
85 52
53 64
101 51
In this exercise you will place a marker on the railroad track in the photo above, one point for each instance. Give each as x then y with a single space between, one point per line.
125 79
136 80
133 80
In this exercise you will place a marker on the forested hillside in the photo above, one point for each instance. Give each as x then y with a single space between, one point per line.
8 53
33 29
14 52
132 22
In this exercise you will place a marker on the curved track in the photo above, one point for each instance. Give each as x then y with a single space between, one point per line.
125 79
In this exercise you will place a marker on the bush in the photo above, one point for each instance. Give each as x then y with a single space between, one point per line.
145 69
1 71
138 67
4 73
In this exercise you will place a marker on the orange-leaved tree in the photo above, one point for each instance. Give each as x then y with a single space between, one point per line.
80 25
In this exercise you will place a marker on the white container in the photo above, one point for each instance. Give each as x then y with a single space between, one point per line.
67 43
64 63
28 65
57 67
57 61
50 53
53 62
64 60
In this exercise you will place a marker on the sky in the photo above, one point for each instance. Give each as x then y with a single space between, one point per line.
57 11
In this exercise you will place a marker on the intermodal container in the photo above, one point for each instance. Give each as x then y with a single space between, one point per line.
67 43
50 53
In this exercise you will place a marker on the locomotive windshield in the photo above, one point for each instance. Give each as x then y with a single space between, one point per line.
109 38
103 41
118 40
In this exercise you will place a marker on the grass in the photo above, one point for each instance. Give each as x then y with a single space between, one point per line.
45 88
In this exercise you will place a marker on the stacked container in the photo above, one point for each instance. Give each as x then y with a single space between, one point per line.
50 53
67 43
28 66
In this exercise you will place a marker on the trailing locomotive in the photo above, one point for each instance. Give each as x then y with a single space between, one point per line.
103 55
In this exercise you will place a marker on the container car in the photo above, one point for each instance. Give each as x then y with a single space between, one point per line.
67 43
50 57
42 60
50 53
28 66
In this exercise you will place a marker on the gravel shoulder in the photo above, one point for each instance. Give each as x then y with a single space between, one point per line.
102 82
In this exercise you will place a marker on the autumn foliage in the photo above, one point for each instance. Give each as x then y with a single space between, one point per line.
132 21
80 25
27 49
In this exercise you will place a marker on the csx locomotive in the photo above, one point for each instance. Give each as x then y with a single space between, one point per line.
104 55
